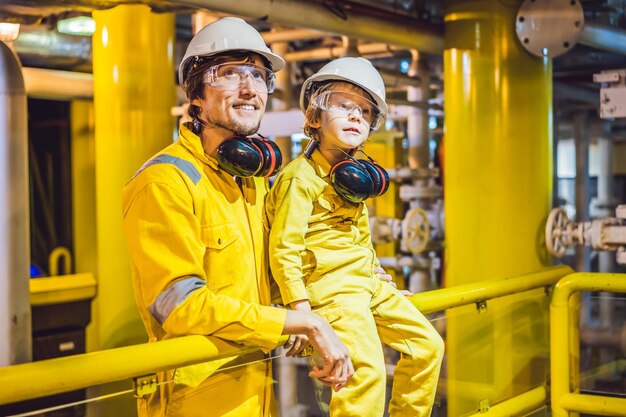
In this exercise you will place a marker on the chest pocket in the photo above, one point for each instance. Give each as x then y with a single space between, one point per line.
329 201
221 256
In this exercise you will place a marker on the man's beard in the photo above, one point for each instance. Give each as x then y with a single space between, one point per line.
235 126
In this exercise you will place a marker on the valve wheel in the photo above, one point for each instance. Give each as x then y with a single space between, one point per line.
559 231
416 230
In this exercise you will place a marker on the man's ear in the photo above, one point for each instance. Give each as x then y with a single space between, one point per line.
196 102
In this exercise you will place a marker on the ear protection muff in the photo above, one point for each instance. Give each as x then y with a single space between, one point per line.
248 157
355 180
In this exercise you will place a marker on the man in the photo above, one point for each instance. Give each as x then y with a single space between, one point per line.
196 233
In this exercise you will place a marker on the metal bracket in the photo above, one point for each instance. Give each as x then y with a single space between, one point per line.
483 406
481 306
145 385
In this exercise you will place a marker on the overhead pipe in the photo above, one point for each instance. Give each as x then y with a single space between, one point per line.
320 54
607 38
50 44
15 320
316 16
57 85
42 44
288 35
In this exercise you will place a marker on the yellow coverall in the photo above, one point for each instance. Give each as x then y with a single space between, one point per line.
198 250
321 250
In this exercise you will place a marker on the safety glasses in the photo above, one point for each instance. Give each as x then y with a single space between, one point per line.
346 104
232 76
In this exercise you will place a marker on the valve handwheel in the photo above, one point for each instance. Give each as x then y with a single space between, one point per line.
559 232
416 230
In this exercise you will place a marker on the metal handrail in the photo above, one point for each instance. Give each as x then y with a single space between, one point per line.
563 399
460 295
52 376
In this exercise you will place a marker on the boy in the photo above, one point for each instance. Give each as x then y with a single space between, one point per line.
321 252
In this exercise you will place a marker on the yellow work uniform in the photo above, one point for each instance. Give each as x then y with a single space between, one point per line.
321 250
197 243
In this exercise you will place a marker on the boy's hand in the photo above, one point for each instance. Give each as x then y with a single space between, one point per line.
295 344
383 276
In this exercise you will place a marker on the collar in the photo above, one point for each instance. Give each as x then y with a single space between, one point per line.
321 165
193 144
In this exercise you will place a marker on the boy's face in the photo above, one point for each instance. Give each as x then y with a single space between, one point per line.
345 123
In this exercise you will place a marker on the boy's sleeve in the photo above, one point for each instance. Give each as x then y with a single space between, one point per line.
292 208
365 239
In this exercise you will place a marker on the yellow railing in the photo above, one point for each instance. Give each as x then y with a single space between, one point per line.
53 376
522 404
564 385
47 377
460 295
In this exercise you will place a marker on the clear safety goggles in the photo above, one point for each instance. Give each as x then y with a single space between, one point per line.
233 76
346 104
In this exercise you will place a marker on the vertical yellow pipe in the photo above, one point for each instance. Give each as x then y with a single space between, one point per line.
498 160
133 67
134 93
83 187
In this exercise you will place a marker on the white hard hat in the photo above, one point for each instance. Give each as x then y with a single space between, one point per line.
228 34
358 71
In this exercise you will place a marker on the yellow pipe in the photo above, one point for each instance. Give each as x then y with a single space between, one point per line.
562 368
133 60
438 300
134 92
53 260
83 186
53 376
519 405
497 184
594 404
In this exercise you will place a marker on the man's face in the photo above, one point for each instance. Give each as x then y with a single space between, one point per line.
234 110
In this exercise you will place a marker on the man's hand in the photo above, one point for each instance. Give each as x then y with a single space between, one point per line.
335 367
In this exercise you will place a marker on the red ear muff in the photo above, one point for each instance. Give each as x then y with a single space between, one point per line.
272 157
380 178
247 157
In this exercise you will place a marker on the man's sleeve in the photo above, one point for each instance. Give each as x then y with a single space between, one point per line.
166 251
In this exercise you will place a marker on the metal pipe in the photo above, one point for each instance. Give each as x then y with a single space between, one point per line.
519 405
57 85
562 366
40 44
364 49
315 16
445 298
607 38
37 379
288 35
15 321
596 405
53 376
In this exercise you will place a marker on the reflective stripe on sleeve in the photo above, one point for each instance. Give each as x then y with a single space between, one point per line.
169 299
185 166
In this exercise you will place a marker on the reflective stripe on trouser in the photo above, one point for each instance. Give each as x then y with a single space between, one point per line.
361 320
